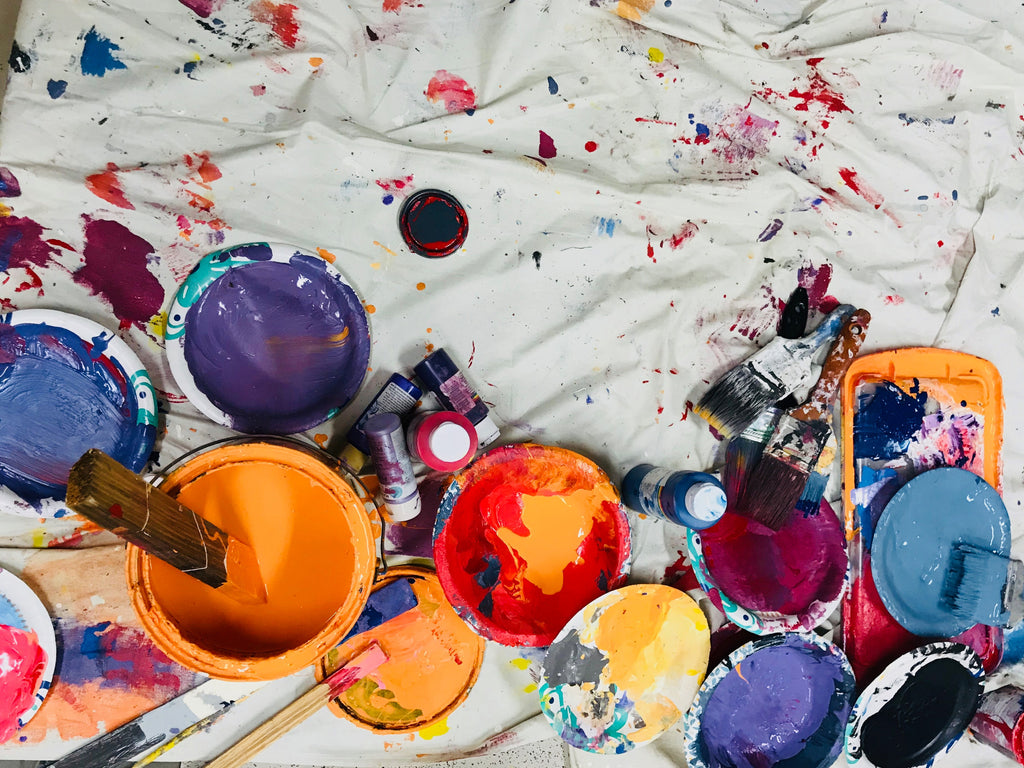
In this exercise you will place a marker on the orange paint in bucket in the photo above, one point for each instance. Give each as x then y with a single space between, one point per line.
314 544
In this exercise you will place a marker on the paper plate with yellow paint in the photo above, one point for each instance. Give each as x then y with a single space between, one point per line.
433 662
525 537
626 668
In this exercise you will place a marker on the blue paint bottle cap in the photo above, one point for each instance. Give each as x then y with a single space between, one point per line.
433 223
706 502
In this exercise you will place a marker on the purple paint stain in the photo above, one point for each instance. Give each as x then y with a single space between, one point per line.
22 244
552 86
770 231
547 148
202 7
56 88
278 346
777 703
885 16
9 186
98 54
116 269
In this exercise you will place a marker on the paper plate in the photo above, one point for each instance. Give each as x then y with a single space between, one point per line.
932 732
786 697
525 537
66 385
625 668
267 338
22 609
915 538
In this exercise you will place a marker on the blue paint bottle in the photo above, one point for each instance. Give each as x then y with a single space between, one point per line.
398 395
442 376
694 499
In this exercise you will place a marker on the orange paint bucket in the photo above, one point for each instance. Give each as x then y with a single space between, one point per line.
314 544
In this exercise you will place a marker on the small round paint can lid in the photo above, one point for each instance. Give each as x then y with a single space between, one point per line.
443 440
433 223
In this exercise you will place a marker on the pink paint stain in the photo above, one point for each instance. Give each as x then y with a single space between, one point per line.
547 148
9 186
24 662
399 186
452 90
815 280
203 7
860 188
946 76
116 269
258 90
22 244
107 186
744 135
280 17
893 300
753 321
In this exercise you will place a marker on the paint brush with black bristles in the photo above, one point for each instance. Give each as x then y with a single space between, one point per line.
769 375
984 587
794 448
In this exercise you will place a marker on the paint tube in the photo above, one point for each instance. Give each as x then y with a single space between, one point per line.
441 376
999 721
398 395
694 499
393 467
443 440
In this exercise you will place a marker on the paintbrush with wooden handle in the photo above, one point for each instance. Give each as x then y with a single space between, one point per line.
794 448
117 499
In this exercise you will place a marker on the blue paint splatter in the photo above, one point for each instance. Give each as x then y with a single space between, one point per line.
908 119
11 616
56 88
886 421
98 54
995 312
703 132
922 197
590 400
955 194
552 86
605 226
770 231
189 67
388 199
488 577
394 598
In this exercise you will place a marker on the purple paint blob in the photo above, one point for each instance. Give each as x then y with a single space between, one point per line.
116 268
785 571
546 148
777 703
22 244
277 346
202 7
9 186
58 397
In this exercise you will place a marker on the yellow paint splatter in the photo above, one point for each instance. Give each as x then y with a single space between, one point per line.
370 309
387 250
38 537
375 265
157 324
315 61
4 210
326 255
655 54
530 688
520 663
439 728
420 286
320 439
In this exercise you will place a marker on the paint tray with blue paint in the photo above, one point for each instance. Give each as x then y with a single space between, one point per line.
66 385
904 412
267 338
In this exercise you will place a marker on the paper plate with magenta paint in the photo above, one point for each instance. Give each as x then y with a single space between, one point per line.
525 537
67 385
625 668
267 338
768 581
29 650
784 697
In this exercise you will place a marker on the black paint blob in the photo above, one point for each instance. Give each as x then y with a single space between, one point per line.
20 61
930 708
433 223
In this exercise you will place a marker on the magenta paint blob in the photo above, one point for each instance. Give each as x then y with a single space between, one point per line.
433 223
784 571
22 244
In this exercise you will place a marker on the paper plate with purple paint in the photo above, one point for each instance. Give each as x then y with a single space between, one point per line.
768 581
267 338
782 699
28 652
66 385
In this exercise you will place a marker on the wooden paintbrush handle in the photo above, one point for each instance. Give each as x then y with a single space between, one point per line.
844 350
270 730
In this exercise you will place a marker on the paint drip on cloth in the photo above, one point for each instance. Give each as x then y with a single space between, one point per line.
22 663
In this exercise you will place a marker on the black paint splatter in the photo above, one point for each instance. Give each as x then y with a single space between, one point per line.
372 35
536 258
20 61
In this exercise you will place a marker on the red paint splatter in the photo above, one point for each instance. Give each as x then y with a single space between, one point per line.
33 282
116 269
547 148
815 281
22 244
590 146
107 186
281 19
686 411
61 244
472 354
394 6
653 120
858 187
452 90
401 186
680 574
116 511
940 243
893 299
743 135
650 252
199 162
203 7
688 232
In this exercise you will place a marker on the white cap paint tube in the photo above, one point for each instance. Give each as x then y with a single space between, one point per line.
393 467
441 376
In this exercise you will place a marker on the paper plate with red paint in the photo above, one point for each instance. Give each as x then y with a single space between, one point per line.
28 654
527 536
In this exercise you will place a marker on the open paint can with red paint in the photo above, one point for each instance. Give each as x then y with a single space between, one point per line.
525 537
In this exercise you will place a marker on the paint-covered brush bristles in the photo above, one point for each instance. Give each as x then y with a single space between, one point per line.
769 375
984 587
742 454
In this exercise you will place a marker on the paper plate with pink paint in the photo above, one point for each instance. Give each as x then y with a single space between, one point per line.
67 385
28 654
773 581
267 338
525 537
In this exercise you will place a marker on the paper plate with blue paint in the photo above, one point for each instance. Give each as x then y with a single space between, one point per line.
625 668
66 385
28 648
784 698
267 338
915 538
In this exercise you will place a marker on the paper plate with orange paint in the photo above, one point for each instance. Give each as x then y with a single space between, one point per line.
433 662
527 536
626 668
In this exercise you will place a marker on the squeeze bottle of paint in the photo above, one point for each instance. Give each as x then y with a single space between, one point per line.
443 440
999 721
398 395
694 499
441 376
393 467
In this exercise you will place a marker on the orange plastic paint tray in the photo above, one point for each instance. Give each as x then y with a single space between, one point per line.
961 394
